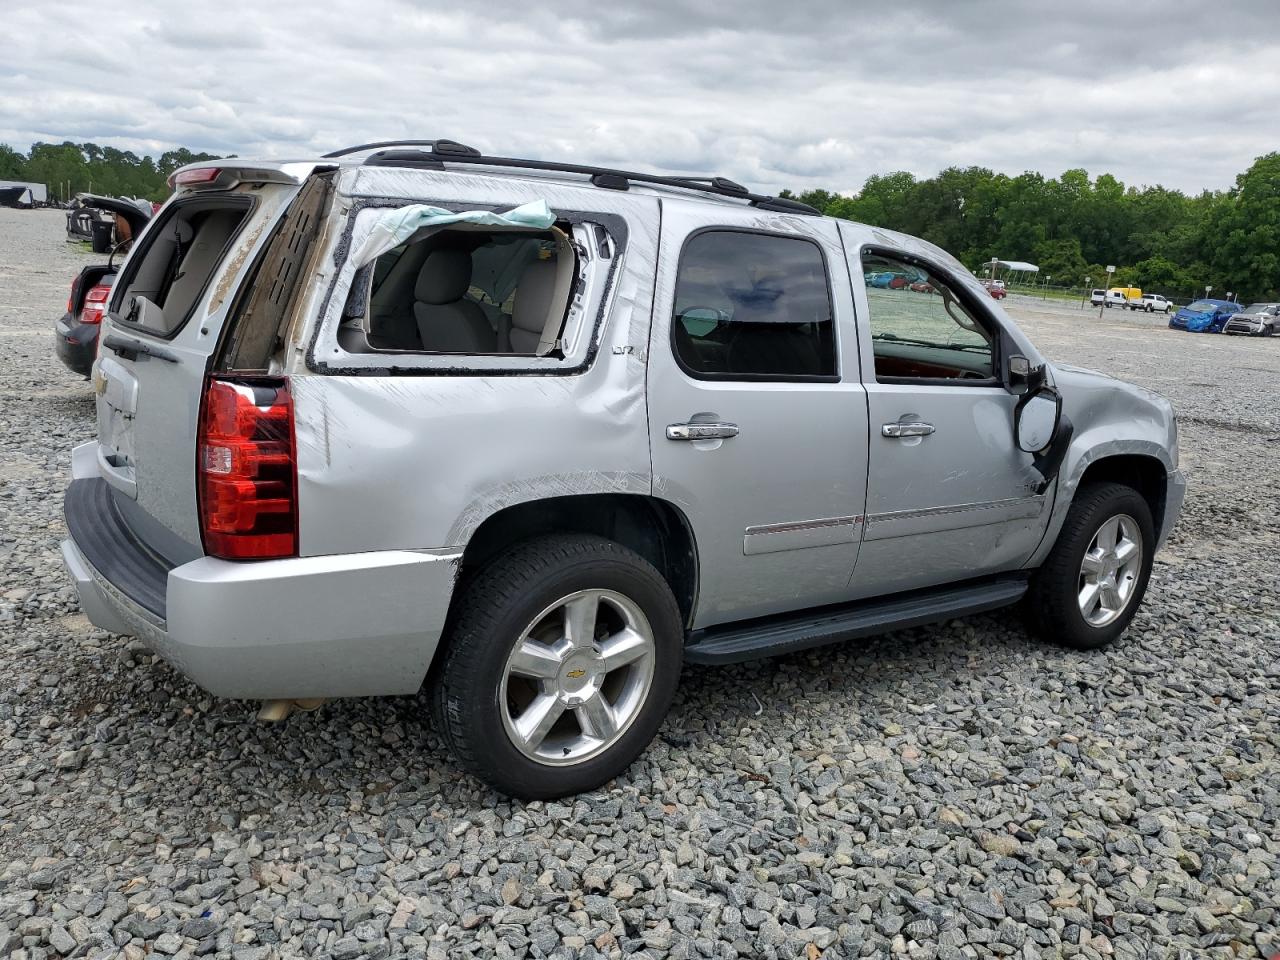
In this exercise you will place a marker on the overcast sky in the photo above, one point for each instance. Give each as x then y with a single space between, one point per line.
772 93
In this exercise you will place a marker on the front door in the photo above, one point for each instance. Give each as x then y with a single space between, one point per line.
757 418
950 496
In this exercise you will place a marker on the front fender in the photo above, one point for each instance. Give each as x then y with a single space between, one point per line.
1111 419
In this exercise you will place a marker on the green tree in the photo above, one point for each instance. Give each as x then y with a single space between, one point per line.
1246 256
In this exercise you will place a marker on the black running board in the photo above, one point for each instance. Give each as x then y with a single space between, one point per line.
771 636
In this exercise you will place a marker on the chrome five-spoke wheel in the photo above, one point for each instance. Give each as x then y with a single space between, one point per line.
577 677
1110 570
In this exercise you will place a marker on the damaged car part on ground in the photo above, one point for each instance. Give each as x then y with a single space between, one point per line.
537 466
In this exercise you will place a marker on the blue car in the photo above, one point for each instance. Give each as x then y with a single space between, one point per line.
1204 316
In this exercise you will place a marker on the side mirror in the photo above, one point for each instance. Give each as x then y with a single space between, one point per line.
1021 377
1035 420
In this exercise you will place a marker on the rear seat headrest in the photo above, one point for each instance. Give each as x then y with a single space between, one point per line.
444 277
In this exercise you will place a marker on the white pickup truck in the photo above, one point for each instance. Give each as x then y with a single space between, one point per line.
1150 302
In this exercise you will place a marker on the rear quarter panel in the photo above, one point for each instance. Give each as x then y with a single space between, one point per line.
405 461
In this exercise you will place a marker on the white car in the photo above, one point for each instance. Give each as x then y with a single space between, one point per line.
1097 297
1114 298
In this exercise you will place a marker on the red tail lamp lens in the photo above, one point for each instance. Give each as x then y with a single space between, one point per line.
95 304
188 178
247 470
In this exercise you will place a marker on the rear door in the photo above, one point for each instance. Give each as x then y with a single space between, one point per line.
757 418
166 319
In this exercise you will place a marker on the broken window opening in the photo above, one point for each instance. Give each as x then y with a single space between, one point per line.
466 289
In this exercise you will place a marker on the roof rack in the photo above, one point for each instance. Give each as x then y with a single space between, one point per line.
393 153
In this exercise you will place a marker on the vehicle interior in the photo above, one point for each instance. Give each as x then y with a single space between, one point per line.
464 290
920 326
180 256
753 305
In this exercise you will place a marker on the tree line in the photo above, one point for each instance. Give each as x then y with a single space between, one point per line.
70 168
1073 226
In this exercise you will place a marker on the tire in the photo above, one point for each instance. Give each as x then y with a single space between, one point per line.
527 591
1053 605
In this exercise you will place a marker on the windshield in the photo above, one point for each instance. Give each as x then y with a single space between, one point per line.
1261 308
1203 306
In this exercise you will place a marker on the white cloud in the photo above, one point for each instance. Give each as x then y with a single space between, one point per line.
773 95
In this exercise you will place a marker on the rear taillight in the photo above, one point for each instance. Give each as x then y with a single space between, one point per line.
246 470
95 304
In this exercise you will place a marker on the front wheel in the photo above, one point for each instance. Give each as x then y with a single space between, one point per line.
1091 584
562 662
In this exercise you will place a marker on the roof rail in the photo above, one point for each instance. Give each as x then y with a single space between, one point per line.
450 148
604 177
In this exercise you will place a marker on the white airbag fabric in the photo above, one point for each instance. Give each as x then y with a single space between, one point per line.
394 227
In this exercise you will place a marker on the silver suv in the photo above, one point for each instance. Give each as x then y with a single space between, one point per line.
535 434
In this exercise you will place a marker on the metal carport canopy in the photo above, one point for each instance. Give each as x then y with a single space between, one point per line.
1021 266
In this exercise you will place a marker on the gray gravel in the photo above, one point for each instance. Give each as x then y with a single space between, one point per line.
953 792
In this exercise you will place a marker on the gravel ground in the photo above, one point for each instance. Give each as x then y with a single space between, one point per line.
959 791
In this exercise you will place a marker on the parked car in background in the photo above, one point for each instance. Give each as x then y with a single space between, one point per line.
886 281
1115 298
322 469
75 333
1098 297
1204 316
106 222
1151 302
995 288
1257 319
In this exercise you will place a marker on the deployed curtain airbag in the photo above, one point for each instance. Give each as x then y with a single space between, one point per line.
393 227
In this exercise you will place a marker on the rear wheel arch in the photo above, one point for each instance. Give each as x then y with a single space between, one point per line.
1145 474
655 529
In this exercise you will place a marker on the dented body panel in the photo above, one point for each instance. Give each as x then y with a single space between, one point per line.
401 457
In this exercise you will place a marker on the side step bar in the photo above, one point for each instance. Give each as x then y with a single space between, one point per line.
771 636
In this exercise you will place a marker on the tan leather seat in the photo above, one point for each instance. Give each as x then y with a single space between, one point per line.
448 323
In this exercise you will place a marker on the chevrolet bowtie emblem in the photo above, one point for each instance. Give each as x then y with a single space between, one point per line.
576 674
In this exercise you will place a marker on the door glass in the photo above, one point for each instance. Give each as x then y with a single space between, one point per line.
753 306
920 330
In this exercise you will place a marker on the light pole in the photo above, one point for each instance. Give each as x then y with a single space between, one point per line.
1044 291
1085 297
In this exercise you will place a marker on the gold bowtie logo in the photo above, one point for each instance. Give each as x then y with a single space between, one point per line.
576 674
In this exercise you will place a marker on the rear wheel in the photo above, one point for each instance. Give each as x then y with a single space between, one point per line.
1089 588
561 665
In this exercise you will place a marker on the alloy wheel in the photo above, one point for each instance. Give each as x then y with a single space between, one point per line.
1110 569
577 677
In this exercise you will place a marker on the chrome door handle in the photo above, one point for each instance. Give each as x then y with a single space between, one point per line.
907 429
701 431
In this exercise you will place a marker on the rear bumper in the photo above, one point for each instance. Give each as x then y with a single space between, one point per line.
333 626
75 343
